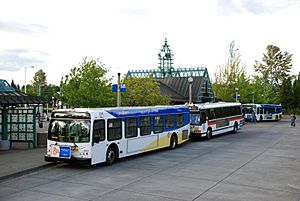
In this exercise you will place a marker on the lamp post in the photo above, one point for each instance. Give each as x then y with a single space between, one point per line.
118 91
25 75
253 97
190 89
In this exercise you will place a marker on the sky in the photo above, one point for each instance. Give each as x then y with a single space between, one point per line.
55 35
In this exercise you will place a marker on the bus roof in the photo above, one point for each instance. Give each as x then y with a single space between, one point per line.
214 105
262 105
129 111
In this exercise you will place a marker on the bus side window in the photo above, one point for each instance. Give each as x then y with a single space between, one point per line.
212 114
99 131
114 129
179 120
145 125
202 117
169 121
131 127
158 124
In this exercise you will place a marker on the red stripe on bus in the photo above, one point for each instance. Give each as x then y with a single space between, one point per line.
229 119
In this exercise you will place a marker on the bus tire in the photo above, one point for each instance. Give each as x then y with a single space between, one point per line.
235 128
111 155
208 134
173 141
260 118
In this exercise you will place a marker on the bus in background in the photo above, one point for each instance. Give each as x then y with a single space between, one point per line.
104 135
262 112
209 119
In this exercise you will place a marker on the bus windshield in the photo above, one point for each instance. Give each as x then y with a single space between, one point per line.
69 130
247 110
195 118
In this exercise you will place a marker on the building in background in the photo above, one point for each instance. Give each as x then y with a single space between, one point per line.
176 82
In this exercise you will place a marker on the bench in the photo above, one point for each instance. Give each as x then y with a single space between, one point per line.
28 141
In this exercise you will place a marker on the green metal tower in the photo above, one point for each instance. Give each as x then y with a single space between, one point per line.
165 58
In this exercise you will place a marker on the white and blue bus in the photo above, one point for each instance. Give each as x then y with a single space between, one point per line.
262 112
104 135
209 119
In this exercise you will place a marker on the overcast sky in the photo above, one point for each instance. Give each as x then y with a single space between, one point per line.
55 35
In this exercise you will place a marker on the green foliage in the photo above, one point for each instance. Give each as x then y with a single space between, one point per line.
39 78
86 86
143 92
296 92
231 78
274 67
264 88
286 93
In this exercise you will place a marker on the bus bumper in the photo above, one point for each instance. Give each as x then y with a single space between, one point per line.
197 135
86 161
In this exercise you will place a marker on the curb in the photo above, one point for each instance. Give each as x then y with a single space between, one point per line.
24 172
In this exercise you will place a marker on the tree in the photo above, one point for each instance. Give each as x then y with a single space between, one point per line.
274 67
86 86
231 76
296 92
143 92
286 93
12 84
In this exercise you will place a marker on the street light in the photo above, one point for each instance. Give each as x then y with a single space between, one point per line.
190 89
253 97
25 75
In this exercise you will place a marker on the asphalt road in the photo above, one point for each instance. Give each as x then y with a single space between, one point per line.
261 162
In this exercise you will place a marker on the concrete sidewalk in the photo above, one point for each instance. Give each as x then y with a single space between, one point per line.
20 160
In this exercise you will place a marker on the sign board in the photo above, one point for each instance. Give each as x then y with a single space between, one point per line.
236 96
60 151
115 88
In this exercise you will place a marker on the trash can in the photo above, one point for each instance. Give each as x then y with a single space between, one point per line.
4 145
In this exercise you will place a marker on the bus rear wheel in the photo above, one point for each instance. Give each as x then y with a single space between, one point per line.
173 142
111 155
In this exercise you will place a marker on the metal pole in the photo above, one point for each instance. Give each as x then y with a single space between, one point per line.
190 93
25 76
190 90
25 79
236 90
118 91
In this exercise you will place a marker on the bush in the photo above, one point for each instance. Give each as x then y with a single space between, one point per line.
291 110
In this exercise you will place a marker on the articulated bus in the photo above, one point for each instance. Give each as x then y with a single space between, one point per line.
104 135
262 112
210 119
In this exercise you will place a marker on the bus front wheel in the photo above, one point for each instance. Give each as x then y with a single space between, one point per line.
208 134
173 141
235 128
111 155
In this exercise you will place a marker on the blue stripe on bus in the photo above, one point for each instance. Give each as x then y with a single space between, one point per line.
118 113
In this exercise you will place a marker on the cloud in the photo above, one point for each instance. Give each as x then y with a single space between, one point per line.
15 27
16 59
228 7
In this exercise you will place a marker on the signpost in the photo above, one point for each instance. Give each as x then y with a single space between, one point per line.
119 88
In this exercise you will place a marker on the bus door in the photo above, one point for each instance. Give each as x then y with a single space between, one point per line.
203 119
98 142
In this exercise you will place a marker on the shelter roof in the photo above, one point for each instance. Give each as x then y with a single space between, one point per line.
10 97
